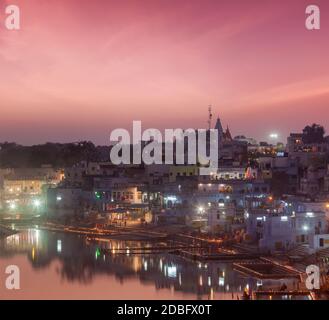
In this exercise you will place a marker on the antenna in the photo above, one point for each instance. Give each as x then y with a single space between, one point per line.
209 116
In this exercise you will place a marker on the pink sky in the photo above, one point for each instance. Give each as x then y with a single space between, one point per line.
78 68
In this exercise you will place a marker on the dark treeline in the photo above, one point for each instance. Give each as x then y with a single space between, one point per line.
314 134
58 155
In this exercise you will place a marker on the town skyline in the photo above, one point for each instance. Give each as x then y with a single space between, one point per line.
272 137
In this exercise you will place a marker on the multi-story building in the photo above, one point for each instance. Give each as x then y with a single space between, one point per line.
280 229
23 187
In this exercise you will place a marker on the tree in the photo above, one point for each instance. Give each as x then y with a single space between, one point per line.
313 134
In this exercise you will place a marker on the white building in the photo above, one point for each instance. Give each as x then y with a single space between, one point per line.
274 231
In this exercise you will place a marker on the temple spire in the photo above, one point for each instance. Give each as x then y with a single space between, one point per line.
218 126
228 135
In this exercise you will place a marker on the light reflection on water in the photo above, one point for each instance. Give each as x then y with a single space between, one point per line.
83 263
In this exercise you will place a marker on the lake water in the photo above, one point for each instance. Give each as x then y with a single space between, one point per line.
63 266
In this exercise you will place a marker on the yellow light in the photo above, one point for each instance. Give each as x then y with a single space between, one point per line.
200 281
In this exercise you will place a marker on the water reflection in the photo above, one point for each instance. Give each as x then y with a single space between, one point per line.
81 260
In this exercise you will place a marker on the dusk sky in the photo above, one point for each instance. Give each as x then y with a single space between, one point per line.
78 69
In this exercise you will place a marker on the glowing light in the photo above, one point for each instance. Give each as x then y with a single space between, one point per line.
37 203
305 227
200 281
59 246
274 136
12 206
172 271
97 253
309 214
161 264
58 198
201 209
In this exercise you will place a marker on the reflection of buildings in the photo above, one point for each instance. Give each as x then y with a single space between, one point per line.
82 261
